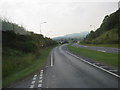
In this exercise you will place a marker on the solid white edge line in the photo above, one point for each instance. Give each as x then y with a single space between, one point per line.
94 65
51 59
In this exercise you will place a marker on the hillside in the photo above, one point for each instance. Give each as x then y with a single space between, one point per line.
108 31
72 36
21 50
9 26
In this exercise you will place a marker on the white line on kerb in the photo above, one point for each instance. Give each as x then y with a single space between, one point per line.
101 50
51 59
94 65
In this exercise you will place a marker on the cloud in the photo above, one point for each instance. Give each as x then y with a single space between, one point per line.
62 17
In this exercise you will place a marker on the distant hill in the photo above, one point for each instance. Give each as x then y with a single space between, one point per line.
72 36
107 33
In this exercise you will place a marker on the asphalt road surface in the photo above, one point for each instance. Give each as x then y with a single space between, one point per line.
65 71
101 49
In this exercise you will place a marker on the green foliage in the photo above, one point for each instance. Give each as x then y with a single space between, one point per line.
108 31
110 37
103 57
20 50
9 26
20 66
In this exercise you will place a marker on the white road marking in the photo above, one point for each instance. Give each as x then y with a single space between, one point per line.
40 77
40 81
35 75
34 78
39 85
94 65
101 50
51 59
41 72
32 86
97 63
46 66
46 87
103 66
114 70
33 82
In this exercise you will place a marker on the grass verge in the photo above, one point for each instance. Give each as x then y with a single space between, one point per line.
37 64
106 58
103 45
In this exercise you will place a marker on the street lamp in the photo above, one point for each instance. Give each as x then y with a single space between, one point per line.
40 26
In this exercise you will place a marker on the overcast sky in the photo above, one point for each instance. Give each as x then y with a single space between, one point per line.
62 16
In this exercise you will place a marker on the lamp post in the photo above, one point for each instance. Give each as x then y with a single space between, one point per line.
40 26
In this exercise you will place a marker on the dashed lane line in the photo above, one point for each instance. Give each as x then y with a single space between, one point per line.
32 86
34 78
35 75
40 77
41 70
39 85
33 82
40 81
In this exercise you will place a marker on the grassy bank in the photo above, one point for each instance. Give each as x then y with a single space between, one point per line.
103 45
28 64
107 58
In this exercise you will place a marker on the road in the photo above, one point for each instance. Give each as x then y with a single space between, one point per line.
101 49
65 71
